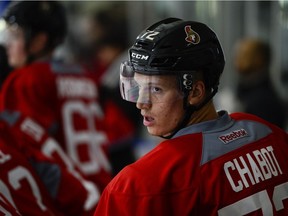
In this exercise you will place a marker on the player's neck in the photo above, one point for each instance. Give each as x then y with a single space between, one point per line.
207 113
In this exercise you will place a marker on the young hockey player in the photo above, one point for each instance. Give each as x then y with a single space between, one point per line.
212 163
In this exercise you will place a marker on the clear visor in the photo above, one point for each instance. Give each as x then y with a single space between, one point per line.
141 88
9 32
4 36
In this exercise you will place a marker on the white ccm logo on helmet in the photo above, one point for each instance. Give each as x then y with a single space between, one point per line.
139 56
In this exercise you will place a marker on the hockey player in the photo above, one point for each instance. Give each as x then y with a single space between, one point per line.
60 97
212 163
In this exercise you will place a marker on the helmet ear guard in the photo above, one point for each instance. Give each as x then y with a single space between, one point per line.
187 81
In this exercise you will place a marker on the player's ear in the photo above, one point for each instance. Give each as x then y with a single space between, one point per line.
38 43
197 94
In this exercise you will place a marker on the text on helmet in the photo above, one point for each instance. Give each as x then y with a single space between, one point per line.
139 56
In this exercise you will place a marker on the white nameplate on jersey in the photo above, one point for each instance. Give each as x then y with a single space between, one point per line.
233 135
76 87
31 128
252 168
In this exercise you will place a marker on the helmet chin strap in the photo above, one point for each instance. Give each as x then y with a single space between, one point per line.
190 109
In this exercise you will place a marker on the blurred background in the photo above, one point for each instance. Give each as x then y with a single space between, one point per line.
231 20
101 31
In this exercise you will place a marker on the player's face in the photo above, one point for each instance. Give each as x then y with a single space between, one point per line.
16 47
163 110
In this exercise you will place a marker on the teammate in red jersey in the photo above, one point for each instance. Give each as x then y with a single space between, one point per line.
7 208
62 98
212 163
21 190
45 155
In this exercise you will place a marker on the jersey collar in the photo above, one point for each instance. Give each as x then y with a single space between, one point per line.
222 122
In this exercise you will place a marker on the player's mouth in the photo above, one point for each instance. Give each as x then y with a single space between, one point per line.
148 121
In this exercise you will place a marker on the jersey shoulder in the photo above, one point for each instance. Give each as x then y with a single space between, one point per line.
152 173
250 117
253 118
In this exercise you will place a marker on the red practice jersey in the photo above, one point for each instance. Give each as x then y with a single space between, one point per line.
64 99
21 190
7 208
235 165
33 142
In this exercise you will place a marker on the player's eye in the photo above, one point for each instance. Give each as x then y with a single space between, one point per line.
155 89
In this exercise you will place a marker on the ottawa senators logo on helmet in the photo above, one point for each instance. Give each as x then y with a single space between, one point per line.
192 36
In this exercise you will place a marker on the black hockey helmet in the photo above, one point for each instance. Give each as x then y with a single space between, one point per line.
38 16
174 46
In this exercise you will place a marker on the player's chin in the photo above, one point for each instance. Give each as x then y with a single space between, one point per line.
156 131
152 131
